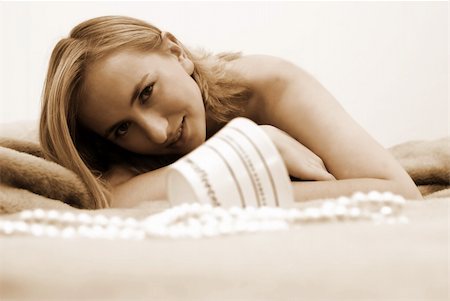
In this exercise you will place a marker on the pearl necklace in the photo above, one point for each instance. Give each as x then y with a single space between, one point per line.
197 220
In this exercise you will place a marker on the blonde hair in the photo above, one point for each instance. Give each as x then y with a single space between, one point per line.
66 142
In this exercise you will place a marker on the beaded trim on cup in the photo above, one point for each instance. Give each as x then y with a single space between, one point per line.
206 183
247 163
196 220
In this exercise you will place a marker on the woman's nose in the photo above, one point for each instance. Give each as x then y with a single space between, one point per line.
156 129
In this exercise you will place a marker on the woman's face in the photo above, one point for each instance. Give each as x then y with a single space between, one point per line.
147 103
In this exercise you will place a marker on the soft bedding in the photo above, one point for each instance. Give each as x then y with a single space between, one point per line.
349 260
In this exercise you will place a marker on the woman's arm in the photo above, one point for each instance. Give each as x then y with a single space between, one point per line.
293 101
129 189
304 191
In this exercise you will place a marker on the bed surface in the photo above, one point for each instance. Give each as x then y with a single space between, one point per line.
323 261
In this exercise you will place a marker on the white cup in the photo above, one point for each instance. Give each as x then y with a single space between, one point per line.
238 166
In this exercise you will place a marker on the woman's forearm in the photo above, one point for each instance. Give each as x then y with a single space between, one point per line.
310 190
144 187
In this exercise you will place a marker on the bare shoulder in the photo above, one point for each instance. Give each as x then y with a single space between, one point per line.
260 70
267 76
263 75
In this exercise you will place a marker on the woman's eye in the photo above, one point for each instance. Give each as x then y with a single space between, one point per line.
146 93
122 129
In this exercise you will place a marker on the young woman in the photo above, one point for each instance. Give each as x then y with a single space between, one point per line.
123 99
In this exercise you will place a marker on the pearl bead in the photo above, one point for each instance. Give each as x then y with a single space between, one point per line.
26 214
225 228
111 231
53 215
68 217
126 233
239 226
84 218
84 231
341 211
38 214
97 231
293 214
157 231
8 227
37 230
355 212
374 196
236 211
312 213
209 221
328 212
209 231
189 232
386 210
100 219
68 232
386 196
22 226
115 221
51 231
344 201
398 200
131 222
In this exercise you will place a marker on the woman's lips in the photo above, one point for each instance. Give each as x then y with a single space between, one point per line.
179 135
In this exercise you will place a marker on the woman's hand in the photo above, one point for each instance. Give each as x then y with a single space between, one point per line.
300 161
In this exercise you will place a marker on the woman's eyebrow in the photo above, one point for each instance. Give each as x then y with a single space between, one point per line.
134 96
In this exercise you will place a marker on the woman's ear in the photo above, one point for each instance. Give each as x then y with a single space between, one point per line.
170 45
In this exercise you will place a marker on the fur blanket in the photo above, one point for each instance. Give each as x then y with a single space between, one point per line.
428 164
29 181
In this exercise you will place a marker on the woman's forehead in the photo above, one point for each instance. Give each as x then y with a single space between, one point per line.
118 62
119 70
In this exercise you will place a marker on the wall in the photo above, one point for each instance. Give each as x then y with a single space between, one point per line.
386 62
